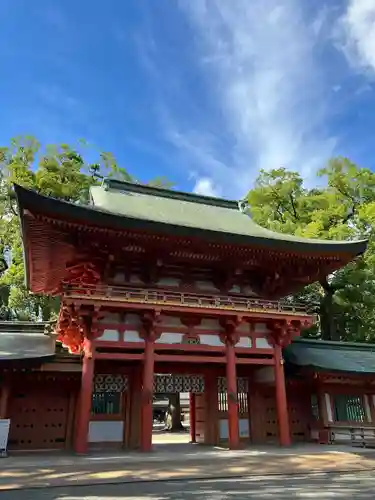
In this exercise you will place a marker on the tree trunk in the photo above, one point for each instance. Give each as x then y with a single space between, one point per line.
328 325
174 421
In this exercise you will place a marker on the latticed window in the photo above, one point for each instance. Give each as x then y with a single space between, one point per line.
315 406
106 403
348 408
242 395
242 402
107 395
223 401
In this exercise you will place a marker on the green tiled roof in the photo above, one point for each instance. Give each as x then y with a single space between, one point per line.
331 356
196 212
123 205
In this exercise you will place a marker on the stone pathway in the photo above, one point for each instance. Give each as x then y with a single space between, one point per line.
337 486
187 463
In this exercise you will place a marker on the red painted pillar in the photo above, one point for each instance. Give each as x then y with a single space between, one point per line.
147 391
85 400
233 425
281 399
4 398
192 417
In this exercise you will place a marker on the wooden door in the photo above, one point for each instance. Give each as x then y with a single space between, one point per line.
299 405
39 420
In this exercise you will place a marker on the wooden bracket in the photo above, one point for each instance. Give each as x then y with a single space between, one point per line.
150 321
230 325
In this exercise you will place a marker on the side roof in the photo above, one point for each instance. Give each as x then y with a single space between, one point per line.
123 205
322 355
25 340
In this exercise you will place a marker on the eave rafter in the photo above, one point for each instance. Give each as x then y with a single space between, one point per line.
274 272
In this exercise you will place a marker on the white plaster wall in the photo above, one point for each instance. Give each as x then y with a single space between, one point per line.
223 428
244 427
367 408
243 424
132 336
262 343
327 400
106 431
170 338
314 434
212 340
110 335
244 342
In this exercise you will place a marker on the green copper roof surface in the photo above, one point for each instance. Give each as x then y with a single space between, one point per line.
331 356
123 205
192 211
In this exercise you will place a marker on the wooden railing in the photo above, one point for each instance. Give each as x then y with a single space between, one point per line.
176 298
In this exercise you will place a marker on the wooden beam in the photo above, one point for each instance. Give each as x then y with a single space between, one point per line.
255 361
123 356
170 358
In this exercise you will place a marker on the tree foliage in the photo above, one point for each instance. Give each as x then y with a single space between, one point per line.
56 170
342 208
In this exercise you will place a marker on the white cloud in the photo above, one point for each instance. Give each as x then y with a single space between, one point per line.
356 32
259 62
245 91
206 187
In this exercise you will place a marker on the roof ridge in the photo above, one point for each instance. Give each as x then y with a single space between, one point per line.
131 187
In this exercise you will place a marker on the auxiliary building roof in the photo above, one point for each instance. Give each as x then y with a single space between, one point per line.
123 205
24 340
323 355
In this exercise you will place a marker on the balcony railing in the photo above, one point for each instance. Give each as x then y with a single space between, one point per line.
182 299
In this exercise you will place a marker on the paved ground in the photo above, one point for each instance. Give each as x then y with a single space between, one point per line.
177 462
358 486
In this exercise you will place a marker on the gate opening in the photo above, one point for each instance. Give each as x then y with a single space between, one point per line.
174 412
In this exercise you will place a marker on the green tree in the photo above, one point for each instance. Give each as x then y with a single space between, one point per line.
59 171
342 208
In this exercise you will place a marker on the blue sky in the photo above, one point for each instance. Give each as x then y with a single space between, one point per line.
205 92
